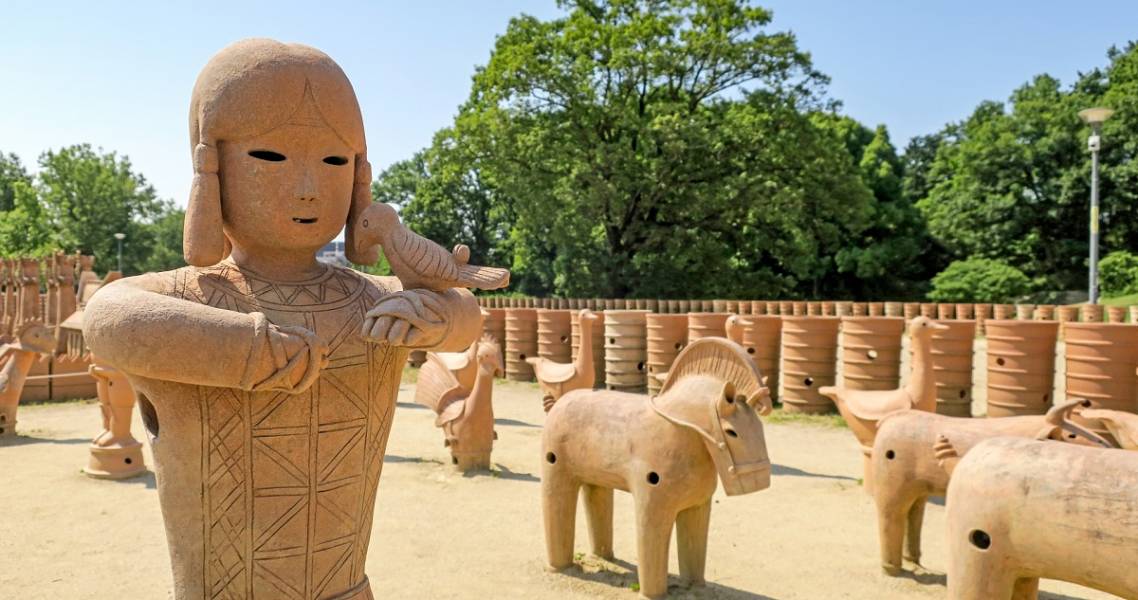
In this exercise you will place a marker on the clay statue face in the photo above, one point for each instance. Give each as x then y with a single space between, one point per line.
742 432
290 188
490 357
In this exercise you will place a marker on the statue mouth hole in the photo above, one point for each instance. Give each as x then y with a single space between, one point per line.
731 433
980 539
304 220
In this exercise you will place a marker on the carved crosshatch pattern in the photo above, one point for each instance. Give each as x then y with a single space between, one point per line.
278 507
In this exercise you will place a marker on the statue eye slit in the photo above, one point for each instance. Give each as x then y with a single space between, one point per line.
731 433
338 161
268 155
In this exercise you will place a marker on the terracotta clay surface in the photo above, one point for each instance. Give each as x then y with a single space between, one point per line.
521 342
809 362
667 336
1021 366
626 350
864 409
557 379
494 325
760 337
466 414
1020 510
871 352
1121 426
703 325
951 350
598 343
553 335
114 453
32 339
1101 361
267 380
666 451
911 459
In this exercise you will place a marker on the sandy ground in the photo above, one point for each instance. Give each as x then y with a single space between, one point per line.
439 534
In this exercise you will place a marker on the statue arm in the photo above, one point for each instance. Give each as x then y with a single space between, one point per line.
133 325
447 321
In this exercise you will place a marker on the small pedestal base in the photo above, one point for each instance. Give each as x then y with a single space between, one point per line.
115 462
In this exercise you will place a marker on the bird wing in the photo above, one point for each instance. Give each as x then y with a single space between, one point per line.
437 387
874 405
452 411
548 371
483 278
454 361
426 258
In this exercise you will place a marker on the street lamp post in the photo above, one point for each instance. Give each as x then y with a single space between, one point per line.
120 237
1094 117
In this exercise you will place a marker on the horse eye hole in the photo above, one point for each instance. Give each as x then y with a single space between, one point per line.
339 161
268 155
731 432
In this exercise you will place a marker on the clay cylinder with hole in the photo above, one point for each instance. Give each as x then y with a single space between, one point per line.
743 307
521 342
773 308
719 306
1116 314
871 352
859 309
911 310
964 312
1025 312
1003 312
1021 367
951 351
785 308
928 309
702 325
598 343
876 309
1067 314
758 307
553 335
798 309
945 311
1101 360
494 325
626 350
1091 313
684 306
828 309
843 309
667 335
894 309
809 360
814 309
761 339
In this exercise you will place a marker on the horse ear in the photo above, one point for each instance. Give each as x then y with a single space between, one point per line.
727 401
361 199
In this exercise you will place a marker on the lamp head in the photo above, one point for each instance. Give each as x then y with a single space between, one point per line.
1095 116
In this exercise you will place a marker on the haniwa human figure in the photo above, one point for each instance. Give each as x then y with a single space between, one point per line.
266 379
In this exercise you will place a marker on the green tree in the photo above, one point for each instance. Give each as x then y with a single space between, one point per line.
12 172
24 229
1118 274
87 196
165 251
653 147
979 280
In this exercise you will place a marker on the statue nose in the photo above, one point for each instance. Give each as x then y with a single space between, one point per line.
307 188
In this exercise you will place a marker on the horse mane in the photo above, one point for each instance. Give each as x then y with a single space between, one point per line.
718 358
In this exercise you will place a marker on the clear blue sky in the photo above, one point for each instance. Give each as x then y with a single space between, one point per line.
118 74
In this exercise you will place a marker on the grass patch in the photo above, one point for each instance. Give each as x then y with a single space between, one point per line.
45 403
410 375
1120 300
781 416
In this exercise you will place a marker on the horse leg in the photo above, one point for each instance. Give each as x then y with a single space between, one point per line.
913 530
691 541
559 512
653 535
598 512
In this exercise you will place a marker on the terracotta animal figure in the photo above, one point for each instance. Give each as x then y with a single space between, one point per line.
1123 426
912 459
466 415
32 340
114 453
557 379
460 366
665 450
418 262
863 409
1019 510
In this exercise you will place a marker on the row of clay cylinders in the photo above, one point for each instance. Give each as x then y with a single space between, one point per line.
1101 362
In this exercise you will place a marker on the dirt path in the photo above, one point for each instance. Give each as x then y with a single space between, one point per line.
438 534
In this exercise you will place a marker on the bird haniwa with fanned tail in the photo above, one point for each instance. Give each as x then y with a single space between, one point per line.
418 262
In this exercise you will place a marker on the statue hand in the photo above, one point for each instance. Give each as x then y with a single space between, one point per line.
412 319
288 359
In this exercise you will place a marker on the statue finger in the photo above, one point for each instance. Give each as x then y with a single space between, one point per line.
398 332
379 330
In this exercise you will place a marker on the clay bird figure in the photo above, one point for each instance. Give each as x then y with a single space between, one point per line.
418 262
557 379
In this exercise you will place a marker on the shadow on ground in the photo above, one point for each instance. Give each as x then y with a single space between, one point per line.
796 472
622 574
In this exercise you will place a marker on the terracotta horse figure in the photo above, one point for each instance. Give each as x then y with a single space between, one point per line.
466 415
665 450
32 339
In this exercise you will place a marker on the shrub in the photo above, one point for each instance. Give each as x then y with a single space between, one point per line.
979 280
1118 274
